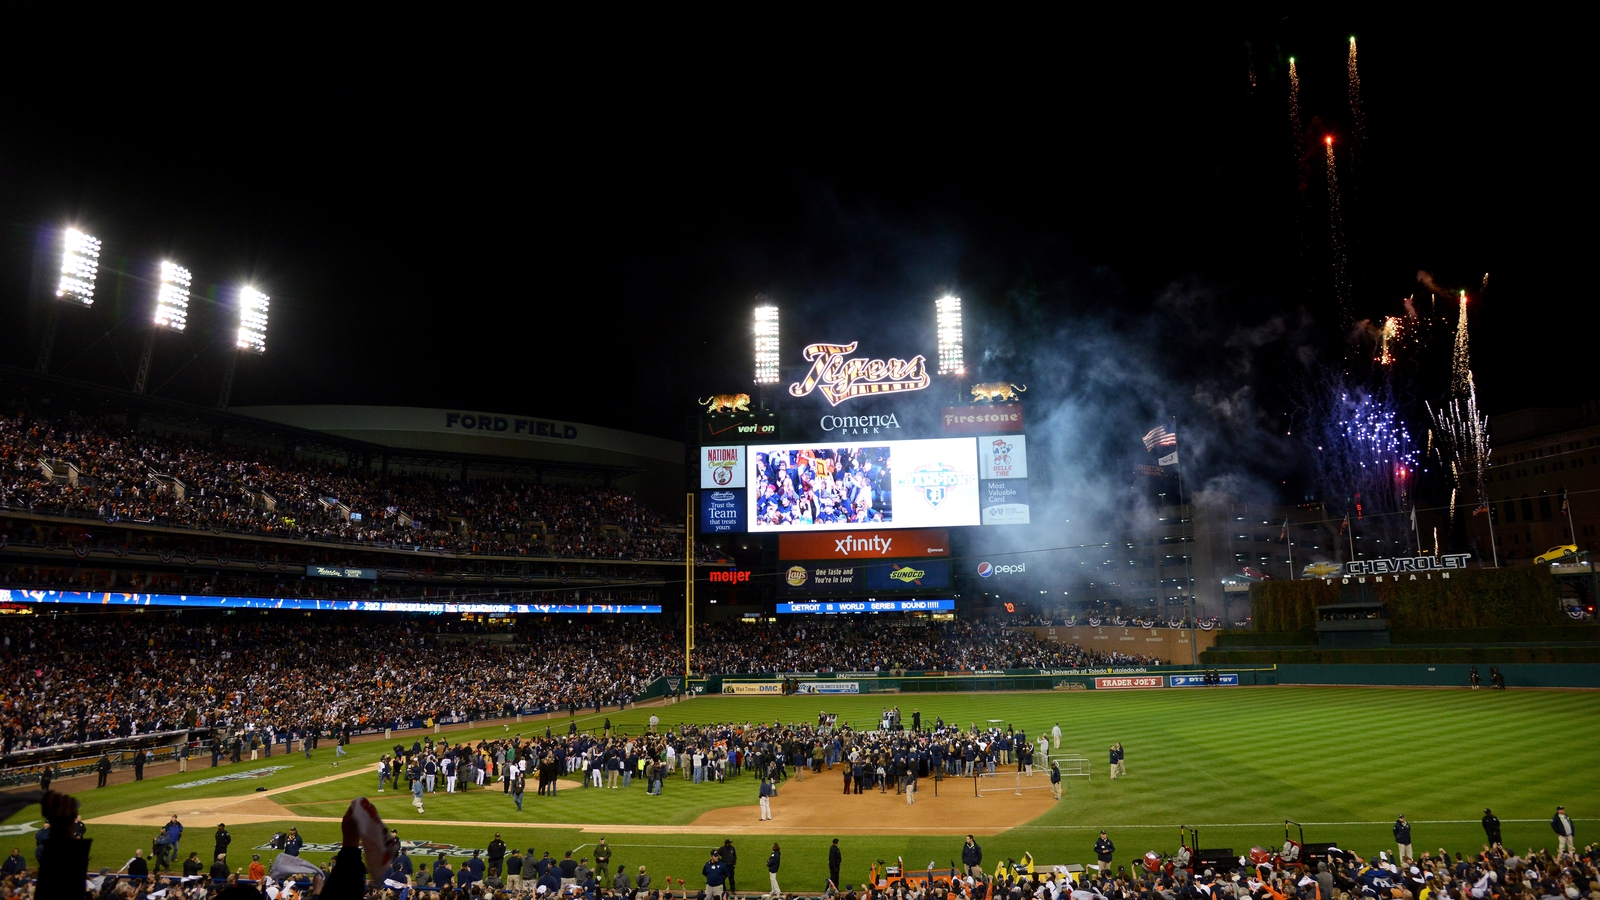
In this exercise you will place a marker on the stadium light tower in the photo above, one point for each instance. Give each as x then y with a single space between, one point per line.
766 345
948 320
252 320
172 311
172 300
80 267
252 337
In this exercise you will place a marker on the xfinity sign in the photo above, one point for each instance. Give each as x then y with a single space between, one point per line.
877 544
986 569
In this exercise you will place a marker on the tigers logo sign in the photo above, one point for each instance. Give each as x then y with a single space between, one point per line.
840 379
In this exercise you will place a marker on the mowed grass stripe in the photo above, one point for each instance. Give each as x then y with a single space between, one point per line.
1243 757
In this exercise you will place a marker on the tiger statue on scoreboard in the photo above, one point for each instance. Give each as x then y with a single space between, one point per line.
718 403
995 391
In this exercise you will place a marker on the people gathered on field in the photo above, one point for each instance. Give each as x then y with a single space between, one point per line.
877 758
75 678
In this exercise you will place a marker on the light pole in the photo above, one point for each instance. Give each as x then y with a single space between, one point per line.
253 306
80 266
172 311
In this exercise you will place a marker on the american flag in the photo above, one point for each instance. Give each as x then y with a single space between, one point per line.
1159 436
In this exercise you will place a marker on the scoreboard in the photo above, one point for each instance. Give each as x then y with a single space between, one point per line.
840 485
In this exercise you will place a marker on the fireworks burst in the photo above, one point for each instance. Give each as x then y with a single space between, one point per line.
1295 131
1464 445
1388 338
1341 281
1365 453
1358 118
1461 361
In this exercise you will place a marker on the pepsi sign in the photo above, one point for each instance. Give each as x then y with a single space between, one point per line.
986 569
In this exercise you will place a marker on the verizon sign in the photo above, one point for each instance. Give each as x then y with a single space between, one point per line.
1129 682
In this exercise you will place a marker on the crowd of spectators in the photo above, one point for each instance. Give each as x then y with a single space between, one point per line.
77 678
91 677
127 475
845 645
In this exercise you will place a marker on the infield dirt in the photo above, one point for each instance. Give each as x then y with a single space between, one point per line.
817 805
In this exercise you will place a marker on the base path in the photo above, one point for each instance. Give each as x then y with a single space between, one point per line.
817 805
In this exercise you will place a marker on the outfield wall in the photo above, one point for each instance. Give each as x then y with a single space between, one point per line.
1544 675
854 683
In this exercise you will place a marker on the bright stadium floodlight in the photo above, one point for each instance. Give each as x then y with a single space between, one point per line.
252 320
172 300
80 263
948 320
766 345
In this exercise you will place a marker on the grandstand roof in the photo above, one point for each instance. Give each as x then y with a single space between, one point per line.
518 436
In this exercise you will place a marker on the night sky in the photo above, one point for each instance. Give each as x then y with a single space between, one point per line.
576 225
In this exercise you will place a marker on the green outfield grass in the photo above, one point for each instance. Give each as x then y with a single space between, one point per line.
1233 761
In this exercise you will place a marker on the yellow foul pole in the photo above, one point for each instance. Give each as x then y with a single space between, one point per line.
688 588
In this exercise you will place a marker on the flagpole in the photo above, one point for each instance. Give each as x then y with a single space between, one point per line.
1494 550
1188 579
1566 506
1418 533
1288 539
1350 536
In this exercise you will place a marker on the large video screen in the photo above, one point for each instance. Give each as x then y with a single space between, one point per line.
828 486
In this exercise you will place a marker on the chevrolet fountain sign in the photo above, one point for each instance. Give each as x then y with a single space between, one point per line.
1405 564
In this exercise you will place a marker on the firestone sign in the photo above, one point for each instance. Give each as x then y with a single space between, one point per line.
841 379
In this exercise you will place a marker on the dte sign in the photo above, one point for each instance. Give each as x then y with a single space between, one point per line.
500 424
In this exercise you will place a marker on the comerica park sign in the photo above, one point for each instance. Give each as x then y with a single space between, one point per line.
1404 564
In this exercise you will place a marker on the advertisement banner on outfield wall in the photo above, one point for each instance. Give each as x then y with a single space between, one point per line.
829 687
1129 682
764 688
1227 680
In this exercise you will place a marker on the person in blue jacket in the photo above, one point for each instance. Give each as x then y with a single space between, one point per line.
715 873
972 857
1402 839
